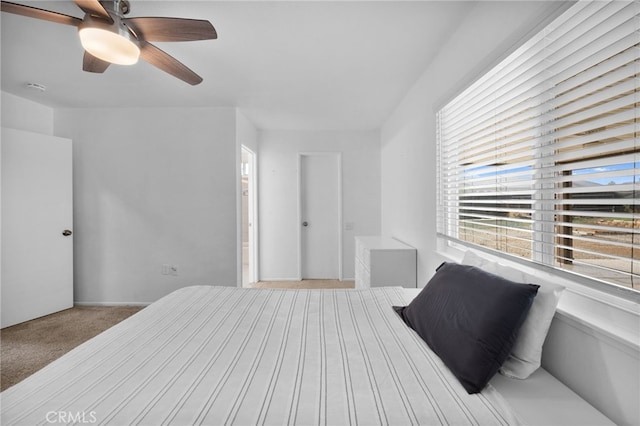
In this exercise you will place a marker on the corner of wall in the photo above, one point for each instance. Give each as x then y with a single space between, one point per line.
23 114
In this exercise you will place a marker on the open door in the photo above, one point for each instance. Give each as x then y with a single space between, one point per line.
249 215
36 268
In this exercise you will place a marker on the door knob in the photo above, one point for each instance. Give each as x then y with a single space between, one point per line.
305 223
66 232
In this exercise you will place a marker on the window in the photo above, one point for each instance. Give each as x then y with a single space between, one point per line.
540 157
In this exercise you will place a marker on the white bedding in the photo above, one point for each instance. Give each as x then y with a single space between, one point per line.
221 355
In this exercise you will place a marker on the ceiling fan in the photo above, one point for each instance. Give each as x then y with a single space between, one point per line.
109 38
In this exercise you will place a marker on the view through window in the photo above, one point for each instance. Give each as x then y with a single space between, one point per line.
540 157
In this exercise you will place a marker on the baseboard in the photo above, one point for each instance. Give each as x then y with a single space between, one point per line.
76 303
279 279
298 279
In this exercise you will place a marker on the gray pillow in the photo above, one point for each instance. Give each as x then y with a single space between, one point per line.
470 319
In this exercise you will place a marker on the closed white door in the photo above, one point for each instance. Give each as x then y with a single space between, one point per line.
320 216
36 269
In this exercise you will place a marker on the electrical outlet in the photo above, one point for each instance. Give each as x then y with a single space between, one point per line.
165 269
174 270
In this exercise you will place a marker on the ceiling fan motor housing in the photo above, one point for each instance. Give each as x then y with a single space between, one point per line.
120 7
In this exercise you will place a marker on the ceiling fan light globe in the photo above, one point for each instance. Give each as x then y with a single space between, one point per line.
109 46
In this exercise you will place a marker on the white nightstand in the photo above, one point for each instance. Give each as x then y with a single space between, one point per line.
384 262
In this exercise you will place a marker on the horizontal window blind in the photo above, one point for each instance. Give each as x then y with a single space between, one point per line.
540 157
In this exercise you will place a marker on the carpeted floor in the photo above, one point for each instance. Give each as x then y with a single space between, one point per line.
27 347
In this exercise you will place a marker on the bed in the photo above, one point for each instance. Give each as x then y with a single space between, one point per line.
219 355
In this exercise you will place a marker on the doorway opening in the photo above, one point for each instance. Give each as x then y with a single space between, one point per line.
248 219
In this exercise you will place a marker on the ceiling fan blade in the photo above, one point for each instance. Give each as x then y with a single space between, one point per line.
93 7
168 63
92 64
171 29
34 12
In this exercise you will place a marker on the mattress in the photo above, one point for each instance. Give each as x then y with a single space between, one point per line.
219 355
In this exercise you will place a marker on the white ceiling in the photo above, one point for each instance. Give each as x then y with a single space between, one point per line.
287 65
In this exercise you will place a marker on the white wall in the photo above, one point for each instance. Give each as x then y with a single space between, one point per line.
278 192
152 186
246 133
23 114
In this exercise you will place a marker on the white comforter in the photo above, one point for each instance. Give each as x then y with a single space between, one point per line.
221 355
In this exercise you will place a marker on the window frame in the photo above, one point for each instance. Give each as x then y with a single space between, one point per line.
544 253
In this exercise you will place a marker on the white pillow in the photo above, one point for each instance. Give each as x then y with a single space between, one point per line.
472 259
526 353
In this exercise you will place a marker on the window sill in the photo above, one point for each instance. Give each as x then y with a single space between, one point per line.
613 318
